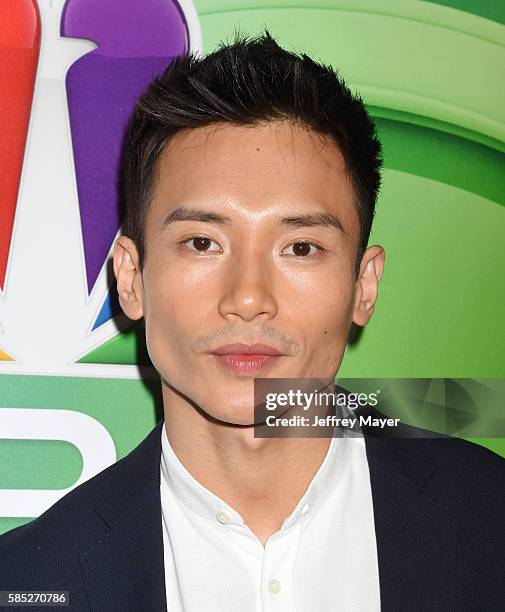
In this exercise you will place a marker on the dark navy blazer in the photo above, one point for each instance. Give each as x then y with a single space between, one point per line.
439 508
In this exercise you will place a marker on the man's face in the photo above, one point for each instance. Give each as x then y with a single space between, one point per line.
251 239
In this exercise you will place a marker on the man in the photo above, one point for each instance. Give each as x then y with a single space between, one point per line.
251 178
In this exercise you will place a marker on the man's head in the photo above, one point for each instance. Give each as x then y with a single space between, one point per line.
251 178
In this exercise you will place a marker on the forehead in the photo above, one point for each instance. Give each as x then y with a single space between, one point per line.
275 165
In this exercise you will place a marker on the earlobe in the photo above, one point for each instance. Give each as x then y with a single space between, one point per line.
372 265
128 277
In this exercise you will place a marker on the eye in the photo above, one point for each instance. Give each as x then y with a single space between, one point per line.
303 248
200 244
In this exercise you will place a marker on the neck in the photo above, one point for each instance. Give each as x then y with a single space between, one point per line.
261 478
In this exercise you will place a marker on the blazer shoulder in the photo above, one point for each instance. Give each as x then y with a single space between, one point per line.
469 474
44 553
72 522
470 456
64 522
450 469
408 442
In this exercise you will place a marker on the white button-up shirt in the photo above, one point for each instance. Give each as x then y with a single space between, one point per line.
323 557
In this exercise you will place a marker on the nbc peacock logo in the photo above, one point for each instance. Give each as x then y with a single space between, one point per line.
70 74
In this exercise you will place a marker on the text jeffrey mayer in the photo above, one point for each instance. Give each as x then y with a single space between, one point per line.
364 421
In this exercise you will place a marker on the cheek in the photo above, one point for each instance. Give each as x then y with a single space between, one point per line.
176 294
321 309
172 306
321 301
329 329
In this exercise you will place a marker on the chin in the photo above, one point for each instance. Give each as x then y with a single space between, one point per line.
232 413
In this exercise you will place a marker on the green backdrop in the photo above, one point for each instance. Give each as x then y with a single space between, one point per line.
431 74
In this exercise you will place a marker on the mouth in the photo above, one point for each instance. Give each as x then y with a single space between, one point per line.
246 359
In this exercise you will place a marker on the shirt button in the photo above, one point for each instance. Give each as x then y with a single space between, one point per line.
222 517
274 586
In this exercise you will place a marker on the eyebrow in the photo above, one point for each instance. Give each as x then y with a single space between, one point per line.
191 214
321 219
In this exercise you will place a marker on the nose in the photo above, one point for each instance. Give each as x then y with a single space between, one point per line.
247 291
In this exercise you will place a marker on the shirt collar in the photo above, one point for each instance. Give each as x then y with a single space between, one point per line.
197 498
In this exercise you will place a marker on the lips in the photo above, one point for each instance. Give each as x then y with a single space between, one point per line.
246 349
246 359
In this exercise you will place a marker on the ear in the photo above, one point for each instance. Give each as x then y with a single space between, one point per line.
129 278
371 267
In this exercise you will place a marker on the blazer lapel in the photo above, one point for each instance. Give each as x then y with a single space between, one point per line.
415 533
124 569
